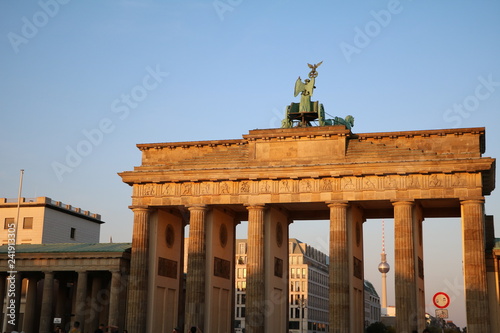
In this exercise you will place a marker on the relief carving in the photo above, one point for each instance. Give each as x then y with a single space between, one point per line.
459 180
434 181
390 182
244 187
187 189
166 189
413 182
326 185
149 190
368 184
206 188
265 187
305 185
224 188
348 184
284 186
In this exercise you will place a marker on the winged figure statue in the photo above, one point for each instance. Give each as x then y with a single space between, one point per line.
306 89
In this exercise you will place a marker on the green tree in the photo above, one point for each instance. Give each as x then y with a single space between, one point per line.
377 327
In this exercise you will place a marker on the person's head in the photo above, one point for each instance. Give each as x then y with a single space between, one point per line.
193 329
76 324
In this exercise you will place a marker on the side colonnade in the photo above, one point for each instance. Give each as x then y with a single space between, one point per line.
58 288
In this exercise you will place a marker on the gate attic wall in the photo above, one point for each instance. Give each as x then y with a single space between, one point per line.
315 164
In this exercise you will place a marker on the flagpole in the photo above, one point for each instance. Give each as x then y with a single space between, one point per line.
18 204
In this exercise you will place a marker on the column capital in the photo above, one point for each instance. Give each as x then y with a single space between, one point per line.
403 202
115 271
468 201
139 208
255 206
202 207
337 203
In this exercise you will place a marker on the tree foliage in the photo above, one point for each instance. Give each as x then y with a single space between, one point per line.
377 327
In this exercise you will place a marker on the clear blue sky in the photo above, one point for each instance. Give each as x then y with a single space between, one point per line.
222 68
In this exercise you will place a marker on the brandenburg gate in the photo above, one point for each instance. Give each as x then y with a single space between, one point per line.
272 177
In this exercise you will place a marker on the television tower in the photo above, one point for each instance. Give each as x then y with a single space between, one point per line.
383 268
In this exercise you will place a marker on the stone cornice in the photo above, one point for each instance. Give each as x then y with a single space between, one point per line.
150 175
190 144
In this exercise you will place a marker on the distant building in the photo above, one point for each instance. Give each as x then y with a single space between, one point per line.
493 272
308 291
44 221
372 304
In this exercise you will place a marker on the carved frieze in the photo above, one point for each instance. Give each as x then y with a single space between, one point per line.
307 185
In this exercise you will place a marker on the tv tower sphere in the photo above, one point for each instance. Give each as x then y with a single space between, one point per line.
383 267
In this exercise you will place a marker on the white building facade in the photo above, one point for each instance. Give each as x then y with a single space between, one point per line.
43 221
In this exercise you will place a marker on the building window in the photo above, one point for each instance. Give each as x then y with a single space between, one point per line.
72 233
28 223
243 248
9 221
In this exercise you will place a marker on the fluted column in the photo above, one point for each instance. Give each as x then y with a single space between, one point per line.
81 299
47 300
196 268
339 269
114 298
404 267
30 306
476 289
137 301
255 296
3 280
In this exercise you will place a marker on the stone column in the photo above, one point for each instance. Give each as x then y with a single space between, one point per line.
2 298
47 300
62 304
476 289
30 306
95 303
81 298
339 269
404 267
114 298
255 296
138 281
196 268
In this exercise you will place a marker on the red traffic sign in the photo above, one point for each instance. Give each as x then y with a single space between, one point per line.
441 300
